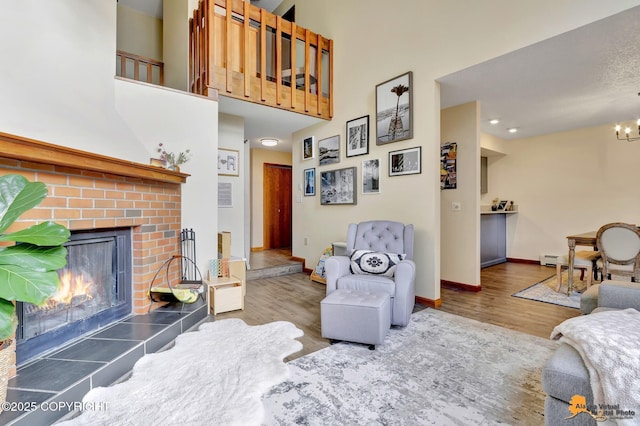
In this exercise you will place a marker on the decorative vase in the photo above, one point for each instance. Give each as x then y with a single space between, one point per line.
7 351
396 127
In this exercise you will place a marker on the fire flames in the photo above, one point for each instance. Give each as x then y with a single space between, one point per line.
72 285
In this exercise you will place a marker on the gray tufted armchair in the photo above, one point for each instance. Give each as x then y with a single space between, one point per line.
385 237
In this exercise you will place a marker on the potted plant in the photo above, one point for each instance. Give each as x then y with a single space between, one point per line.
28 267
172 159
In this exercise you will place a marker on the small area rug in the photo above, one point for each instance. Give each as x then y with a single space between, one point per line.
544 291
215 375
441 369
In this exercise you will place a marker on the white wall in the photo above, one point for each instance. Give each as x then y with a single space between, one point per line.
175 31
231 136
461 228
565 183
374 43
57 79
180 121
138 33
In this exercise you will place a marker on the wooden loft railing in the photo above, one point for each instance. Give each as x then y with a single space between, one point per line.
139 68
248 54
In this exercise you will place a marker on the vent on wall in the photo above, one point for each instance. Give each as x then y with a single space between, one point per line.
548 259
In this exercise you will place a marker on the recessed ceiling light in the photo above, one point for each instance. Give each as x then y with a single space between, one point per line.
512 130
269 142
494 121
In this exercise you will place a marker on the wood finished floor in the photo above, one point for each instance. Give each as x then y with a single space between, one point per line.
269 258
296 298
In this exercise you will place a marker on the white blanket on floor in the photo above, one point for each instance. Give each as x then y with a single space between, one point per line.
215 375
609 343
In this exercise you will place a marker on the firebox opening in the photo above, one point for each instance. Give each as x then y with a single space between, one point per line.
95 290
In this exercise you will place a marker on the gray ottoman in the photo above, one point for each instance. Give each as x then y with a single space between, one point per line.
356 316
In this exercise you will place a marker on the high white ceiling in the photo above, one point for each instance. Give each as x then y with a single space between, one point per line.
586 77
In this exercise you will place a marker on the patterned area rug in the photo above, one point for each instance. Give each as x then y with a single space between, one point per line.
545 291
441 369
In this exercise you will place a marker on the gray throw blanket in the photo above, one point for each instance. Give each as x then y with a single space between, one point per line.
609 343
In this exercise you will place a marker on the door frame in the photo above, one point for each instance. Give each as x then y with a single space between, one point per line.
266 217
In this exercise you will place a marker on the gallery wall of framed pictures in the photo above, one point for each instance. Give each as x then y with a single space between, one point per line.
393 123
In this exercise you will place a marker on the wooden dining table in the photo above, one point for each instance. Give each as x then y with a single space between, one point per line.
586 239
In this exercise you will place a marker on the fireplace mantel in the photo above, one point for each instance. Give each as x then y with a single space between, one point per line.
20 148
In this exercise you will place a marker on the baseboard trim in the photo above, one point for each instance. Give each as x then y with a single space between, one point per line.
460 286
257 249
429 302
527 261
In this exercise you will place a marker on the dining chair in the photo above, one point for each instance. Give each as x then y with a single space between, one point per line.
619 247
585 260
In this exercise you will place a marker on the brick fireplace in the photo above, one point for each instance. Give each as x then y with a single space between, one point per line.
89 192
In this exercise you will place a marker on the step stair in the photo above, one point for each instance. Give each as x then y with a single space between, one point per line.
274 271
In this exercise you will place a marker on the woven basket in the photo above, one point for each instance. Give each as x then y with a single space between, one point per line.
7 350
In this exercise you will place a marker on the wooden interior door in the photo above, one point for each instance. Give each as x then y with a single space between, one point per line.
277 206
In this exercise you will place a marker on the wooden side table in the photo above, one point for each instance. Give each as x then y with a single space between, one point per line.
224 294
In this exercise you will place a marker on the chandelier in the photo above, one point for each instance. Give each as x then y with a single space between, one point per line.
627 132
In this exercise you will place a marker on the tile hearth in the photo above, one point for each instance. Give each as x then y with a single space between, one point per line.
99 359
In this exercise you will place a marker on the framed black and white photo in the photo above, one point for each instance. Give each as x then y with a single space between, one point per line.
405 161
394 109
228 162
309 182
308 151
329 150
358 136
371 176
339 186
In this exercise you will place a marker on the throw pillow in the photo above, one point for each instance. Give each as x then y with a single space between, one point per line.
375 263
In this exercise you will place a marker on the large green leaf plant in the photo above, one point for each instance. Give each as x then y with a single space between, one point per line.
27 268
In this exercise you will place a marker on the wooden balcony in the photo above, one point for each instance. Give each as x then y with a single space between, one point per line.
139 68
247 53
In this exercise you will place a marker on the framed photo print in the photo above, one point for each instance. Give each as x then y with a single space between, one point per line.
309 182
394 109
228 162
329 150
338 186
358 136
308 151
448 159
225 195
371 176
405 161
